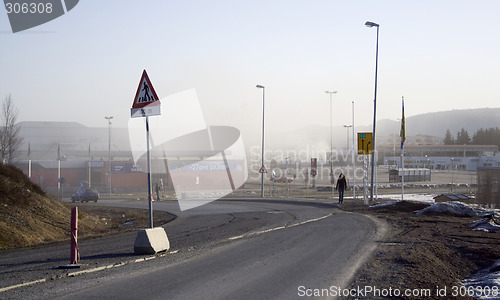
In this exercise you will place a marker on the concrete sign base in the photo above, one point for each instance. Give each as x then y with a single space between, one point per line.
151 241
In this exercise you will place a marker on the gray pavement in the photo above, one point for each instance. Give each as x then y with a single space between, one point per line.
225 249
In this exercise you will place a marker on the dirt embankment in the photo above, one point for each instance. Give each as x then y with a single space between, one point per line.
428 252
30 217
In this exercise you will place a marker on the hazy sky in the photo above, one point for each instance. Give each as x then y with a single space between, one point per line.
439 55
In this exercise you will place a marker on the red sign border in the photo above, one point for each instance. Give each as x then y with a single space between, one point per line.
141 105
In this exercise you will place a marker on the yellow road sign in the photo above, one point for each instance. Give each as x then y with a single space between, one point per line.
365 145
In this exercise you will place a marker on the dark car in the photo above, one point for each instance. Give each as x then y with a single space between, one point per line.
85 195
324 189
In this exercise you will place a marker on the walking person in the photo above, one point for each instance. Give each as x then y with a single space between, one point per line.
341 185
146 93
157 189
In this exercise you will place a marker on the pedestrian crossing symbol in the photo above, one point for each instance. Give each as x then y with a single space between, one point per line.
146 101
262 170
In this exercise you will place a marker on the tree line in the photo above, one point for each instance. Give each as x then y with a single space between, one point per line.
489 136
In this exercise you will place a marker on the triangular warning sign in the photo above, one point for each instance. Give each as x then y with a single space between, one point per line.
262 169
145 94
146 101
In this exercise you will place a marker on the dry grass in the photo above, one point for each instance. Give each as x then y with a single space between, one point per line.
30 217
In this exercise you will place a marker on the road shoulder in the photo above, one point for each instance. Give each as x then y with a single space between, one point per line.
424 252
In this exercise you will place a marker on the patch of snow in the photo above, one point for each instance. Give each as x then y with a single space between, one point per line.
460 209
383 204
486 225
485 284
428 198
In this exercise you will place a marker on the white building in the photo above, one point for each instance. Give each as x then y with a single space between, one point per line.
443 162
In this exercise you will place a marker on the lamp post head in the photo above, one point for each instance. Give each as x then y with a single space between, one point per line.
259 86
328 92
371 24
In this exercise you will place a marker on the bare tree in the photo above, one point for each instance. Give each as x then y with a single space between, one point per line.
10 141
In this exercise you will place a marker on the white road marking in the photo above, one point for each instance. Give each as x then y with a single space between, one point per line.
277 228
73 274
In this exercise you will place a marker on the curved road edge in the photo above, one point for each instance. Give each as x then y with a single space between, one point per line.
364 253
381 230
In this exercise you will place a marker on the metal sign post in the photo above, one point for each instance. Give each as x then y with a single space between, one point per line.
150 199
146 103
365 147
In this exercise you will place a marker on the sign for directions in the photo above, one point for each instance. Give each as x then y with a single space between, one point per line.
365 145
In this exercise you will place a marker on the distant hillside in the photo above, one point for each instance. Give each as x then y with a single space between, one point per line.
437 123
434 124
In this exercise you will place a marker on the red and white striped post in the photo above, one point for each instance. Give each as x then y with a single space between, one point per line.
74 235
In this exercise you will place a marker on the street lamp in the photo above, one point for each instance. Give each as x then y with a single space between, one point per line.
331 137
109 151
371 24
262 168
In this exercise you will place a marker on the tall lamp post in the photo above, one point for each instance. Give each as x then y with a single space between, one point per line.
371 24
262 168
331 137
109 152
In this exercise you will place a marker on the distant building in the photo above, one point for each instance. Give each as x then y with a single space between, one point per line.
441 157
410 175
429 146
443 162
452 197
76 153
451 150
394 141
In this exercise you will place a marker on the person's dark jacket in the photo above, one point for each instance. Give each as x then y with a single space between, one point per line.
341 183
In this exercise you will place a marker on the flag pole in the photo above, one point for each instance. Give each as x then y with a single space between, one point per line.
403 138
90 168
402 171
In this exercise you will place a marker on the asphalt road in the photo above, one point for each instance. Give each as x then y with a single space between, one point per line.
243 249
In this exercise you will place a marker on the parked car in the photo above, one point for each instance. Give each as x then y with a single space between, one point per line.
324 189
85 195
